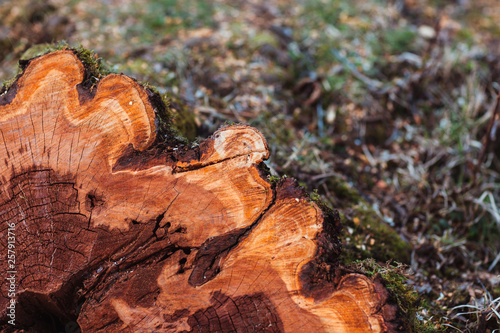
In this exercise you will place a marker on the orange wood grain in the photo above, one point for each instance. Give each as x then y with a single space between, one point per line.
118 232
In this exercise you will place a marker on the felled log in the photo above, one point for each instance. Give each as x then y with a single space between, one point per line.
110 226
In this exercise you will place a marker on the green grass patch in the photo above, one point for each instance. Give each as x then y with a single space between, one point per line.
168 17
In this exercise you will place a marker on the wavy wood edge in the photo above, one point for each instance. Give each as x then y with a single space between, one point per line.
116 230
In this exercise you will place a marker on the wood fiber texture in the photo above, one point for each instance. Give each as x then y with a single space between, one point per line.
116 230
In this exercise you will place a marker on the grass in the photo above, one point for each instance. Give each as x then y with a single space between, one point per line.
168 17
484 312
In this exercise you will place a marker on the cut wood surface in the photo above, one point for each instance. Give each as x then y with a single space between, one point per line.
117 230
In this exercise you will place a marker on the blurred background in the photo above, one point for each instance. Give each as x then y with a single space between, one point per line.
385 110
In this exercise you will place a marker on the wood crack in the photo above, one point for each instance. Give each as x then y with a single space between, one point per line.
119 231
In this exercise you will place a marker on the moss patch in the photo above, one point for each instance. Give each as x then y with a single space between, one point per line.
95 68
394 279
366 235
345 194
273 179
41 49
183 120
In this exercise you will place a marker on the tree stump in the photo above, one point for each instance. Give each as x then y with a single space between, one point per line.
107 226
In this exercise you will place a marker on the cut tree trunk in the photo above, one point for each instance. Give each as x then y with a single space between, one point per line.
107 226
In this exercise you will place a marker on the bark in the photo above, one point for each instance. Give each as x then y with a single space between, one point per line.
116 229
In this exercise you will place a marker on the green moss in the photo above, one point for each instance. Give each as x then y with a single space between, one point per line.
394 279
41 49
366 235
314 196
182 120
93 64
273 179
7 84
230 123
345 194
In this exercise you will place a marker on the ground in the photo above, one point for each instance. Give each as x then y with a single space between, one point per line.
381 109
